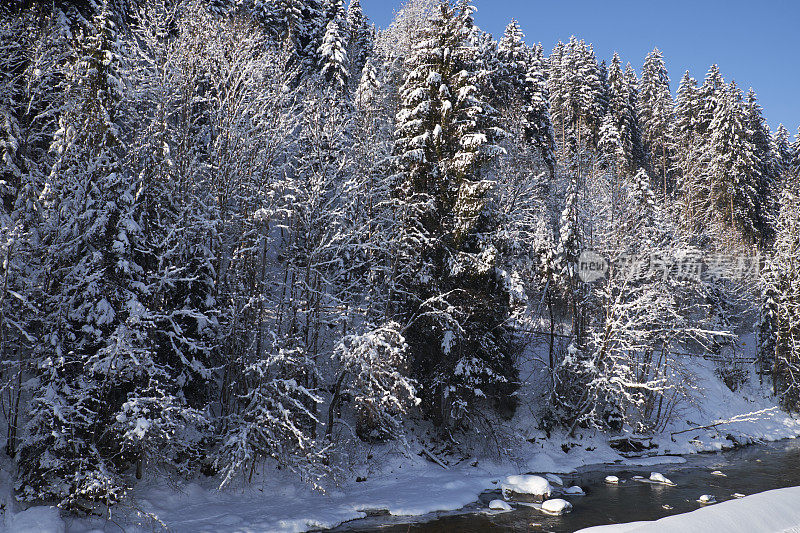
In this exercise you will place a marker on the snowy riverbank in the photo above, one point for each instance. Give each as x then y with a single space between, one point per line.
403 482
774 511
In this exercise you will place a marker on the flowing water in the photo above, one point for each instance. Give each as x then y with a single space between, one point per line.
747 470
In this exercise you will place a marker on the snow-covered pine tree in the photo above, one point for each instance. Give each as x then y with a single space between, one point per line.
711 92
537 123
769 165
794 156
654 107
781 149
687 110
619 108
512 54
95 350
367 93
587 94
569 249
782 303
359 36
22 163
333 56
449 292
735 169
297 26
556 89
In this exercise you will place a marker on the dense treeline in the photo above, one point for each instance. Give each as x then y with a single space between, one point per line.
260 231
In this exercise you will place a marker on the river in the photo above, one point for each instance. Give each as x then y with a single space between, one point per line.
747 470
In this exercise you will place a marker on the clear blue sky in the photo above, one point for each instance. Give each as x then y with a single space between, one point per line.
754 42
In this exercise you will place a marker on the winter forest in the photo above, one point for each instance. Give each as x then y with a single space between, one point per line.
239 235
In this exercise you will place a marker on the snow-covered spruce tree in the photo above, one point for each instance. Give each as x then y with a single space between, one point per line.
654 108
557 93
538 125
794 156
372 376
29 44
685 137
517 86
781 150
297 26
623 115
359 36
769 164
367 94
450 296
570 243
512 54
95 350
580 95
333 56
782 303
735 168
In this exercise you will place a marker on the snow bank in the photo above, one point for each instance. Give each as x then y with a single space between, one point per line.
773 511
36 520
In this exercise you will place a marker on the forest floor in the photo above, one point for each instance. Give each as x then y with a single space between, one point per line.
401 478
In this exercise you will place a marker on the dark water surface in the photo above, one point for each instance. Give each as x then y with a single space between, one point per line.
749 470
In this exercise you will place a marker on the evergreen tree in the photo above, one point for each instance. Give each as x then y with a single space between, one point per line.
794 149
711 92
654 108
334 56
687 110
538 126
556 88
451 294
96 350
781 149
359 36
782 334
513 56
623 115
735 168
366 96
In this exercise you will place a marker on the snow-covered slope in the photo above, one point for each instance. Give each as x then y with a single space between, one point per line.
774 511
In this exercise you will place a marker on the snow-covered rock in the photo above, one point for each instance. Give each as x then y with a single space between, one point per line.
554 479
499 505
658 477
613 480
574 491
707 499
526 484
556 506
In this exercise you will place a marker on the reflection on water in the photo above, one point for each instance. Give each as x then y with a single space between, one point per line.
747 471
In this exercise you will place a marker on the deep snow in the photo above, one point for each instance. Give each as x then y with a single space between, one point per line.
774 511
403 482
